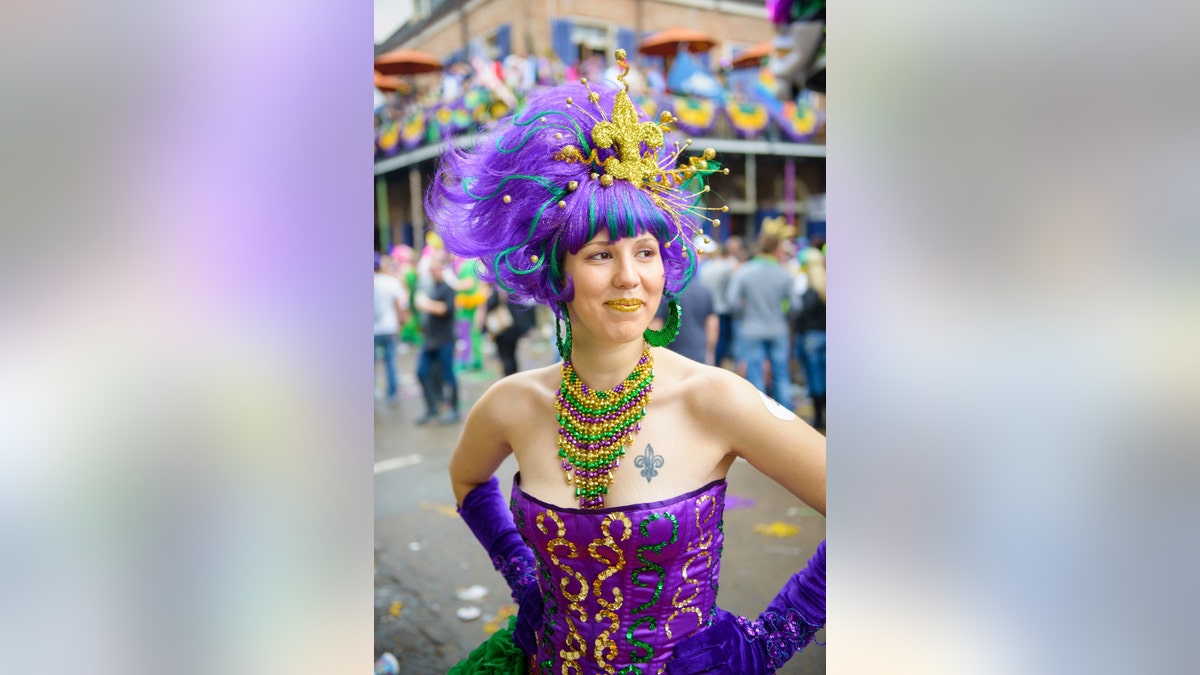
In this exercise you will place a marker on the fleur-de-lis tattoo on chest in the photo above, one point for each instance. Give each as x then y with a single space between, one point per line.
649 463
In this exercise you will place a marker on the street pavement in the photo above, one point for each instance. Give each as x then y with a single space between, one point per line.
425 555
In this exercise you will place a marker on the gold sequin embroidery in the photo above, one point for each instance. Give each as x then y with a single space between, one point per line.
702 547
606 647
575 646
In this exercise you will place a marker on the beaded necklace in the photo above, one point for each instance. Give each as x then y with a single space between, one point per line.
595 426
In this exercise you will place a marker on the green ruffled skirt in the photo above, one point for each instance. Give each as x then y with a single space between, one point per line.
499 655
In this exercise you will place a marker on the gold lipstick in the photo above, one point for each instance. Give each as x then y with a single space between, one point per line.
625 304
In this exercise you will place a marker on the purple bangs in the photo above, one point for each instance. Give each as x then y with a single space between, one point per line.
510 203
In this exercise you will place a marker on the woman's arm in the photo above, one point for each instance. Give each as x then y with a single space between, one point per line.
481 449
436 307
767 435
484 442
783 447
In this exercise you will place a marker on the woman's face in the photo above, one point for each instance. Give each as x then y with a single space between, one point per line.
618 287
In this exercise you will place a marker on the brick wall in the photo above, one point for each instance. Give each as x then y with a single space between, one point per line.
530 21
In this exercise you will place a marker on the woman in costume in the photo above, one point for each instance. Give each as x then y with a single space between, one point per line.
406 272
469 295
611 541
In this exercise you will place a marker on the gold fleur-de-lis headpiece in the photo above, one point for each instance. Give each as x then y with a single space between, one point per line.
652 171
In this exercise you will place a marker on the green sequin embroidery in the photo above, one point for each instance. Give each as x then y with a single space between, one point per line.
648 566
648 650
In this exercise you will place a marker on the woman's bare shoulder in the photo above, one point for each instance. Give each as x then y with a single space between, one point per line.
686 370
523 390
706 388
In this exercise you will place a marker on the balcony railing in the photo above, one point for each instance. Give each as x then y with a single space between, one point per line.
418 126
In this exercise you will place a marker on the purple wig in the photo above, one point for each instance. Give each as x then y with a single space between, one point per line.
511 204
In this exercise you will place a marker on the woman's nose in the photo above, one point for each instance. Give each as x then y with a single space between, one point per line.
626 276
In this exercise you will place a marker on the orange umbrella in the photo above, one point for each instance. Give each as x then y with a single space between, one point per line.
753 56
390 83
407 62
666 43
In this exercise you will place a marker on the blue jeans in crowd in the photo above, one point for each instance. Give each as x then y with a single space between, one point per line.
736 349
387 343
431 384
755 351
811 352
724 339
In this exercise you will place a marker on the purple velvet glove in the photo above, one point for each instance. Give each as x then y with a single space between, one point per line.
490 520
734 644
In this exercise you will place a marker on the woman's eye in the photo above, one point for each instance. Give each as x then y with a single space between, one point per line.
602 255
647 253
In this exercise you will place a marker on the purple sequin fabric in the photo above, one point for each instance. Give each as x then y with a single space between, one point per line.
782 636
623 585
516 571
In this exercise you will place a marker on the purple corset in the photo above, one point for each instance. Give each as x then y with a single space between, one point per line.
622 586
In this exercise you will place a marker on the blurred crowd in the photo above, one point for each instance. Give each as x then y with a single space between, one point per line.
436 304
768 298
756 307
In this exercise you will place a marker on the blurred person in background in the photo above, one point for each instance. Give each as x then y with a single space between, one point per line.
758 293
741 255
798 38
470 294
406 272
435 367
795 303
810 327
602 251
715 274
391 310
507 322
520 73
433 249
698 323
549 68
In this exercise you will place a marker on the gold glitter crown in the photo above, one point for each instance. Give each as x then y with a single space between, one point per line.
656 174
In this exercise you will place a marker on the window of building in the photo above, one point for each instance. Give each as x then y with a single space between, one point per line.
589 40
497 44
